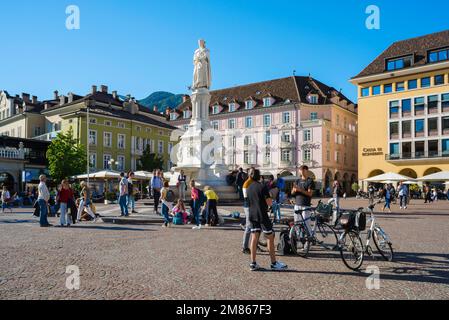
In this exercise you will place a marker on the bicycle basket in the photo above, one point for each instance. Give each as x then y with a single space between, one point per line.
324 211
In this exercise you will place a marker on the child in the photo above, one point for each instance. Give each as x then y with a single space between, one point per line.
166 205
211 207
180 209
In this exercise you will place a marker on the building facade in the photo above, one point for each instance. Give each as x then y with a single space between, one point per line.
279 125
117 132
404 109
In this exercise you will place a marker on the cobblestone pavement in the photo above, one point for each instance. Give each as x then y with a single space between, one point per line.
148 262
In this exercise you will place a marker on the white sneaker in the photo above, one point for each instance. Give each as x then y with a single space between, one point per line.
196 228
279 266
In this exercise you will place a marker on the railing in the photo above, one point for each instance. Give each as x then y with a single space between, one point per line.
417 155
10 154
48 136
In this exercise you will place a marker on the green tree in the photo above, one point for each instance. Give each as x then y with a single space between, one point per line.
66 156
149 161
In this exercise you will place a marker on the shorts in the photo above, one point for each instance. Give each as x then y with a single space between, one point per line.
265 226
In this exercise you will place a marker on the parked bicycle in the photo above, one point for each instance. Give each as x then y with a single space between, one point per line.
352 248
321 233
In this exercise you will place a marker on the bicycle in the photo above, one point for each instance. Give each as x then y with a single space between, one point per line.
322 234
352 248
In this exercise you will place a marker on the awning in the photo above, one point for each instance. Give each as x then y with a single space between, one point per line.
436 177
390 176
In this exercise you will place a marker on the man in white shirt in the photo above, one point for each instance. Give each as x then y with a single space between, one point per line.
43 197
6 197
123 199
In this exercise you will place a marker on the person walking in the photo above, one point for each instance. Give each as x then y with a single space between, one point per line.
42 198
241 178
182 185
6 198
259 201
64 196
371 193
387 193
123 197
303 193
131 192
85 202
211 207
336 194
403 195
166 204
156 186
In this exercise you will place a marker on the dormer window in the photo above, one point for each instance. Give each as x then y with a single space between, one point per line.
232 107
173 116
267 102
186 114
249 104
216 109
313 99
399 63
438 55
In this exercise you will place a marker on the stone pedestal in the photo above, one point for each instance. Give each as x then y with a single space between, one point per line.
200 153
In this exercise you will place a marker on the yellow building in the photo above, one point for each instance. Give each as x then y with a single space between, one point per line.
404 109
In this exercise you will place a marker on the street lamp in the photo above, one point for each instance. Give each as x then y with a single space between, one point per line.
111 163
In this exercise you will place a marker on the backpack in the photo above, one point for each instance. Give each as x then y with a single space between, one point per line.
178 220
171 197
284 246
202 197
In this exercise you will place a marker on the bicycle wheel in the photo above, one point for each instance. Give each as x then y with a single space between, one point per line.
326 237
351 250
299 241
383 244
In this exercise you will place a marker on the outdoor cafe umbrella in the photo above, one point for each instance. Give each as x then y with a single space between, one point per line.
436 177
390 177
106 174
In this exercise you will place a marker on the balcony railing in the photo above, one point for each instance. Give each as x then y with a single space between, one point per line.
11 154
417 155
48 136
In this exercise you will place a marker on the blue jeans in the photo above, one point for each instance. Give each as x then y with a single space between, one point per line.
165 214
43 212
123 202
132 202
277 211
196 212
387 203
64 219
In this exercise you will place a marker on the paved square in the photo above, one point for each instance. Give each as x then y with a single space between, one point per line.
148 262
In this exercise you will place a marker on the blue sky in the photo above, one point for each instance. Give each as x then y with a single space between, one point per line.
139 47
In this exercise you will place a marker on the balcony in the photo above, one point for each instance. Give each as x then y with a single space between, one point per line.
434 156
48 136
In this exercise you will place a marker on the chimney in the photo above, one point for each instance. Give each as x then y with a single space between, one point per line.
94 89
70 100
128 97
155 109
46 105
185 98
115 94
26 97
56 95
167 111
104 89
34 99
62 100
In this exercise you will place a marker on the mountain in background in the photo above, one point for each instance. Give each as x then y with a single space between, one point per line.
162 100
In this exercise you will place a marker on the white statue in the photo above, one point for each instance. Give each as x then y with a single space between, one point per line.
202 71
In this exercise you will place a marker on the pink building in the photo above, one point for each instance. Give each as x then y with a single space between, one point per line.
279 125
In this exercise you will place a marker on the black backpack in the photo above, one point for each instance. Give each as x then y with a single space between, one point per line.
171 197
284 246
